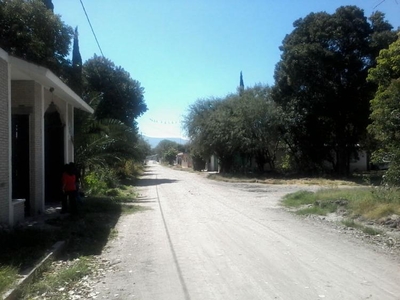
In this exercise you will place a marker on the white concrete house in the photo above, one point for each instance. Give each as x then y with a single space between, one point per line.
36 136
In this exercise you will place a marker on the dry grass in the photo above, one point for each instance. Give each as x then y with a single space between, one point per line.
368 202
282 180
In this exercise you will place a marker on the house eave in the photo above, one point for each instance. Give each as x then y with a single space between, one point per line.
23 70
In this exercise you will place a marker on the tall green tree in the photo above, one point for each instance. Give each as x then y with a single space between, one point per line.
49 4
76 81
259 126
31 31
320 83
238 129
210 126
122 98
385 110
167 150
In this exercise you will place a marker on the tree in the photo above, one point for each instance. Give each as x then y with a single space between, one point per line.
166 149
75 81
210 126
49 4
105 142
170 155
104 150
42 37
121 96
237 129
259 126
320 83
385 110
143 149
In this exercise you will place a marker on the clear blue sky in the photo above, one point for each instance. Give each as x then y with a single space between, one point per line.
183 50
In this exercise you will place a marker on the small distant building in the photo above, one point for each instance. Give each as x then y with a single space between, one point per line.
184 160
212 164
360 163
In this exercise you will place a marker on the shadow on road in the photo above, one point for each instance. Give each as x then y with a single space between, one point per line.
153 181
145 200
149 174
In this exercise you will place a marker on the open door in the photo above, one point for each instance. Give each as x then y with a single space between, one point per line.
54 154
20 159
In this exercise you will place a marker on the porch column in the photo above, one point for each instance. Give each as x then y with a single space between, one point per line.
66 134
72 133
6 212
38 161
69 134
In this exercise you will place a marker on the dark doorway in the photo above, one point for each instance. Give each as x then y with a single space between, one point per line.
20 159
54 154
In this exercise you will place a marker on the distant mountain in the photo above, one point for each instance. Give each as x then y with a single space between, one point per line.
154 141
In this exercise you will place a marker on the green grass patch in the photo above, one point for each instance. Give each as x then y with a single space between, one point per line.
87 233
53 281
318 209
371 231
366 229
8 275
281 179
371 203
299 198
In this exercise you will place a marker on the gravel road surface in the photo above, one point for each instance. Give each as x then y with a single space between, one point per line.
201 239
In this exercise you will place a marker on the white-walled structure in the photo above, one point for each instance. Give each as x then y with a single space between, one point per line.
36 136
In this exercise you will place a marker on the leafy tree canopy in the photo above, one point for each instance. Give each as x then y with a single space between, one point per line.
206 125
321 85
385 107
164 146
245 124
121 97
259 125
42 37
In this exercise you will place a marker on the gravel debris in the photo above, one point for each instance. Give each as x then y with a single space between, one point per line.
82 289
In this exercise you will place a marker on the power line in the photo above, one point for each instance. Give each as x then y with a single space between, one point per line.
90 24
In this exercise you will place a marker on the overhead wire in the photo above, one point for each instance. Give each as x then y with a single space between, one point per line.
91 27
98 44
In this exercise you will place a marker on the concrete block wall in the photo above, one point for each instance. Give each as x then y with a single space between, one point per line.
22 93
5 193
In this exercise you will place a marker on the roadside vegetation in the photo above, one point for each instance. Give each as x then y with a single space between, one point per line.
334 100
335 95
166 151
356 205
86 235
299 180
109 150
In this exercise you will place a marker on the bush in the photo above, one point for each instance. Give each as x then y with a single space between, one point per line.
170 155
112 193
198 163
129 169
99 181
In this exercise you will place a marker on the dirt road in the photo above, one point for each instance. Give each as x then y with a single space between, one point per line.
202 239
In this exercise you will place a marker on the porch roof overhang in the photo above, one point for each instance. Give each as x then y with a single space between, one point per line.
23 70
